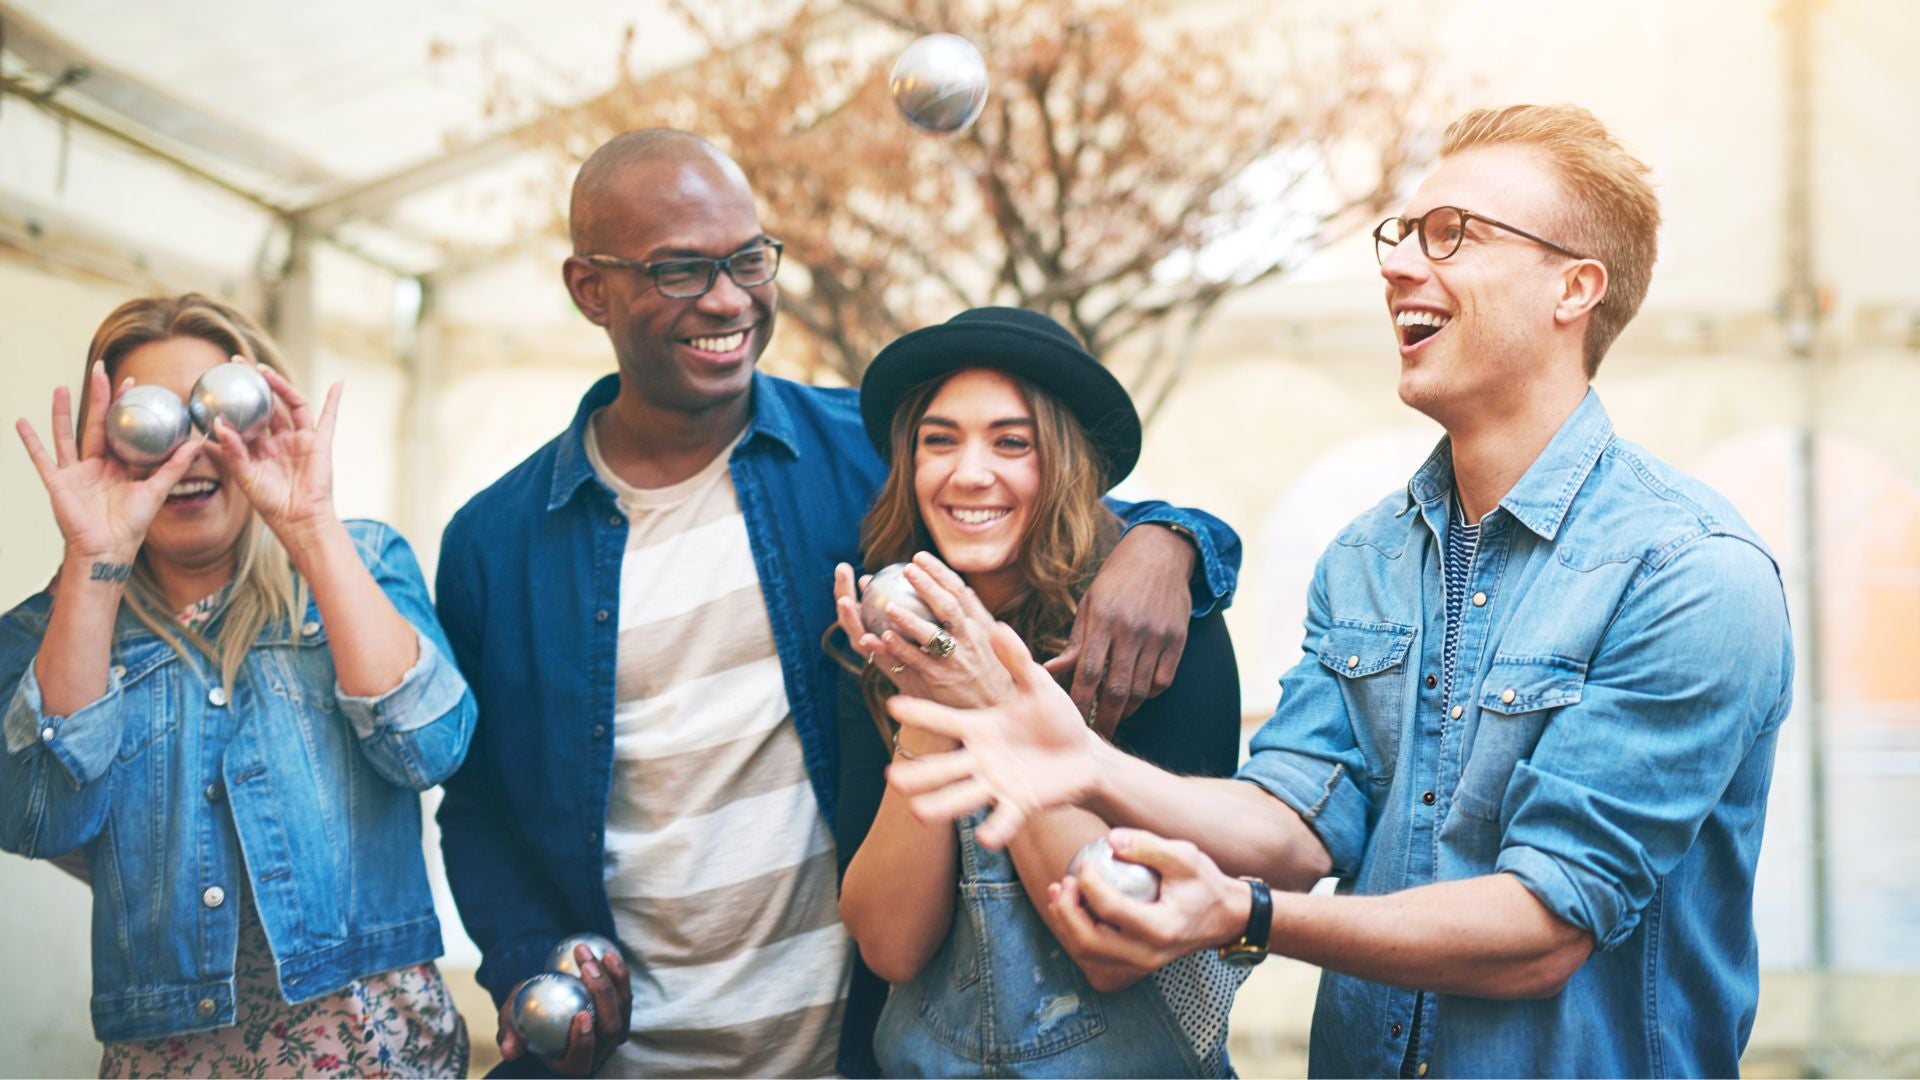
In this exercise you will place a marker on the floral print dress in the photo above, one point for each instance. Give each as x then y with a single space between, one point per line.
396 1023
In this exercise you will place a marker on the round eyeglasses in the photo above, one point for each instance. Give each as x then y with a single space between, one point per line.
1441 231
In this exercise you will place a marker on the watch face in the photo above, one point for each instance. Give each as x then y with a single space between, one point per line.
1243 956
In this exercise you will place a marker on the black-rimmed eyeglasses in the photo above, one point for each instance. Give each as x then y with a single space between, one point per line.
1441 230
685 279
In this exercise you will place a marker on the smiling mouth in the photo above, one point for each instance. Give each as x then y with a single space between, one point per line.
719 343
193 490
1417 326
972 516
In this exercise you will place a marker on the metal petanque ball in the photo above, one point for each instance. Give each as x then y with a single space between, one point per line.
1132 880
544 1008
561 958
890 589
939 83
233 392
146 424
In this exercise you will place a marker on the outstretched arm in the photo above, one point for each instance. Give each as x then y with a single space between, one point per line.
1032 752
1483 937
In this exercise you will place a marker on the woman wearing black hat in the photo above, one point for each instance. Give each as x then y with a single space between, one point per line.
1004 434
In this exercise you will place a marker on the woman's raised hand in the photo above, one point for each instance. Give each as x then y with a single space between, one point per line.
287 473
102 505
966 677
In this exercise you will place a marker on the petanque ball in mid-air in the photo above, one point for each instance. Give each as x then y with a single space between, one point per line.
1132 880
146 424
886 591
939 83
561 958
233 392
544 1008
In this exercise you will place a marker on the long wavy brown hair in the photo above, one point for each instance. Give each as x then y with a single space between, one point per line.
1068 534
265 589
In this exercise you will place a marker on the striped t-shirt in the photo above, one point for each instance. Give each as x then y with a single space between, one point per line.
718 865
1463 541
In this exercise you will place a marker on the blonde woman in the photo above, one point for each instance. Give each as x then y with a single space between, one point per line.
228 701
1003 435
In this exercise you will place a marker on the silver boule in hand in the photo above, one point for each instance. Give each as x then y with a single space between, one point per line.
887 591
1131 880
146 424
561 958
939 83
234 392
544 1008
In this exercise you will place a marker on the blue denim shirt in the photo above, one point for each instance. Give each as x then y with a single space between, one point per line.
529 591
1624 667
164 783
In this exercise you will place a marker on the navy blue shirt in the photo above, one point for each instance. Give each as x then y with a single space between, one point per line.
529 594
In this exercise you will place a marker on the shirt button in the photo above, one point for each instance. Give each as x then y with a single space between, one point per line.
1432 681
1428 798
1479 599
1352 662
599 731
310 627
593 836
205 1008
614 519
601 615
217 697
46 734
214 896
119 671
1506 696
1457 710
1422 1070
213 792
1394 1031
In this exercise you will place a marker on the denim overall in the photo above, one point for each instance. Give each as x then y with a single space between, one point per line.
1002 998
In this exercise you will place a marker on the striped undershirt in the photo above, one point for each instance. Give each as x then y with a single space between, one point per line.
718 864
1462 541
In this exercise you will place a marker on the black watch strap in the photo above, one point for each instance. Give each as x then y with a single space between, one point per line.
1259 916
1252 946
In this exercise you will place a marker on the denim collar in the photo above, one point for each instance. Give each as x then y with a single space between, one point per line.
1544 493
770 418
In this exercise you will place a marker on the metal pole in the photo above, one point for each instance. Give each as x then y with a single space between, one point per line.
1801 309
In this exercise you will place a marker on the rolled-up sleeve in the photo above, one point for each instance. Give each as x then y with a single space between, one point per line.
1218 572
1697 667
56 775
415 734
1306 754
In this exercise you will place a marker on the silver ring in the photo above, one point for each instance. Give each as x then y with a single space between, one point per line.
940 645
896 669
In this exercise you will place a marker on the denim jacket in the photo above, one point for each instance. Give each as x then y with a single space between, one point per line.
1624 665
528 588
184 801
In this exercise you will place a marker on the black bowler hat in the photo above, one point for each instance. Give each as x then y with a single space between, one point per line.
1019 342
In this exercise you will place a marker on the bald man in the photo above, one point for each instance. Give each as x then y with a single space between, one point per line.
639 608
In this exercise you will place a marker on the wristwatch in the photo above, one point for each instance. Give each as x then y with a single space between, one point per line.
1252 946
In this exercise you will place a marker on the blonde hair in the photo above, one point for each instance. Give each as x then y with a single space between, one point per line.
265 590
1613 216
1068 534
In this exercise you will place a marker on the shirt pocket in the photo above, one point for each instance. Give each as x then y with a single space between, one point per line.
146 713
1370 659
1517 699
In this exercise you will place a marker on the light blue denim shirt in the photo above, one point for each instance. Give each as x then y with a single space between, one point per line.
183 800
1624 666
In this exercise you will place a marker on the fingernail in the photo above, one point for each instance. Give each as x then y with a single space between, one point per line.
590 969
